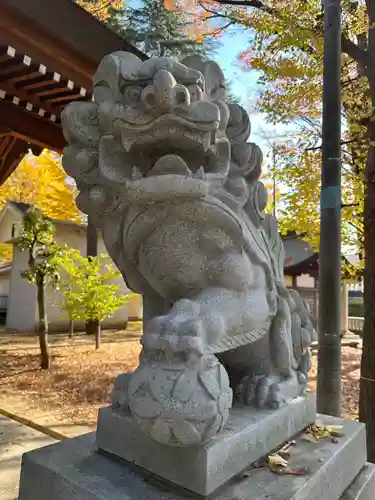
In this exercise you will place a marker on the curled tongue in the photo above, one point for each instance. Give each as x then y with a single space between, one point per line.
170 164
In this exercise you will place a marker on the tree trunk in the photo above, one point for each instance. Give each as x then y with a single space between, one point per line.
71 328
91 251
43 325
97 335
92 327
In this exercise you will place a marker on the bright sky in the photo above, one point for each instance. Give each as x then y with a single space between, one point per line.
243 83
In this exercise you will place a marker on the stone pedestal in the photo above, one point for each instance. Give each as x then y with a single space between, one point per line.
249 435
76 469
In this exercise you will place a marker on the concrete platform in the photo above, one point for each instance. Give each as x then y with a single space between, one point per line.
15 440
363 487
249 435
74 469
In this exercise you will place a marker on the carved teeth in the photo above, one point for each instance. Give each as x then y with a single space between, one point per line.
206 141
199 174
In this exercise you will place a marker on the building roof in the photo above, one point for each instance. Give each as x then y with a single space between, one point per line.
45 63
297 252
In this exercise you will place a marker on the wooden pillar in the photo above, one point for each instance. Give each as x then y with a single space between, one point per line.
344 308
294 282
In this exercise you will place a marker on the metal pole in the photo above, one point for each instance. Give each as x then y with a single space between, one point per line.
329 357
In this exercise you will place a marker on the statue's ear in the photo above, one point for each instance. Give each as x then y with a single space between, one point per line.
194 62
215 86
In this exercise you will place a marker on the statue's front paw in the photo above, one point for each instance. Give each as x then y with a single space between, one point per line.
270 391
181 330
173 334
260 391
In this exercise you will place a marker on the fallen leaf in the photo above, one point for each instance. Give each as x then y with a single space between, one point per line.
289 469
317 431
296 470
310 437
275 460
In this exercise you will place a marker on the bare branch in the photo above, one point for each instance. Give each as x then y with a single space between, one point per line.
355 52
355 227
257 4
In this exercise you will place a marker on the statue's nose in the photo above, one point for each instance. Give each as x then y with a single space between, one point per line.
167 93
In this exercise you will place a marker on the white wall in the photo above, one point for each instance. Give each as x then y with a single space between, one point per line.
305 281
4 285
21 314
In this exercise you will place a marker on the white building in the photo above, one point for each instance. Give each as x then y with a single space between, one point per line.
20 295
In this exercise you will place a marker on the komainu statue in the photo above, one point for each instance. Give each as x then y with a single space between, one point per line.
164 170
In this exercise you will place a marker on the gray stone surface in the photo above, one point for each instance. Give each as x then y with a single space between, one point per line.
249 435
166 172
363 487
15 440
74 470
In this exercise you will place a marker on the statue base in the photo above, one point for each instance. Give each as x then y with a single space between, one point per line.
76 469
249 435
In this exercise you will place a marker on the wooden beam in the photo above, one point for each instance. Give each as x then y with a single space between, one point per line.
11 156
61 35
28 97
31 128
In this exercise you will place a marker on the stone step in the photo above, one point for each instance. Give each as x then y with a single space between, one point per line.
249 435
363 487
75 469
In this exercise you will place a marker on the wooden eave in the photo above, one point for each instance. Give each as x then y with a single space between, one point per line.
49 51
308 266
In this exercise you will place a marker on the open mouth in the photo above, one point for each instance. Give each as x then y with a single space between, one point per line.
195 144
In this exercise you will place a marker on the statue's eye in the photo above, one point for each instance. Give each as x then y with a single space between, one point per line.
132 94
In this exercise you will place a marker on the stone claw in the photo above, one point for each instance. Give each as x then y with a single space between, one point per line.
270 391
180 331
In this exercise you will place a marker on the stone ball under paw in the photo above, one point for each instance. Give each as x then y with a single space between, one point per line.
180 403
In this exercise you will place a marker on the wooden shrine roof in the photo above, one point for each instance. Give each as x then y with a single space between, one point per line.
49 51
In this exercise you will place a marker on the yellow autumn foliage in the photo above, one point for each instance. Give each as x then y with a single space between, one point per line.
100 8
42 182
